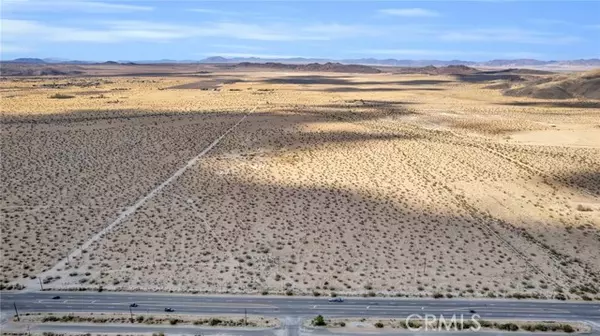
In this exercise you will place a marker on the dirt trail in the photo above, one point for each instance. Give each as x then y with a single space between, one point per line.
59 267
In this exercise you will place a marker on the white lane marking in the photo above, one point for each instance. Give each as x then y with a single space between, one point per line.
130 210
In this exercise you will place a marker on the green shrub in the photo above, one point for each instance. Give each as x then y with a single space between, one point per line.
567 328
508 327
214 322
319 321
379 325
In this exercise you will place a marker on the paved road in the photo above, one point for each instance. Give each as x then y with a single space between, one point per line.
291 310
294 307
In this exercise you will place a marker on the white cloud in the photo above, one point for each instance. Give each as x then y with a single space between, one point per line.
8 48
412 52
510 35
237 47
446 53
335 30
409 12
211 11
70 5
127 30
248 55
115 31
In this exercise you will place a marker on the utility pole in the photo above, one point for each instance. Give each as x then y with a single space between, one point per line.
245 317
16 311
131 313
41 286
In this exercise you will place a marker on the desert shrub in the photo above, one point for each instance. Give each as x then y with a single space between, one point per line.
582 207
438 295
342 324
173 321
315 293
61 96
379 325
568 328
214 322
139 319
319 321
486 324
289 293
508 326
50 319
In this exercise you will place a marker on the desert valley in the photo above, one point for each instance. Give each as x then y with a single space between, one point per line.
301 180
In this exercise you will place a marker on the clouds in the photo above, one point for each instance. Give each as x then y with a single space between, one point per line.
446 53
509 35
117 31
158 27
410 12
16 6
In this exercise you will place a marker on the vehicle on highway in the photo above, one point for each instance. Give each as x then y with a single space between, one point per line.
472 311
133 305
55 297
169 310
336 299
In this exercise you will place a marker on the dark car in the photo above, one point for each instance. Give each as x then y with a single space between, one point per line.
169 310
56 297
133 305
336 299
472 311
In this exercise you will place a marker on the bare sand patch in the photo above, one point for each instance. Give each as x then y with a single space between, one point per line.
404 184
574 138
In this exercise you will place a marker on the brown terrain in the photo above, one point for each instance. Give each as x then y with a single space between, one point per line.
252 180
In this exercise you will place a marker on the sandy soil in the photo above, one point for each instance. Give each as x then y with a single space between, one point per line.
346 183
368 325
141 317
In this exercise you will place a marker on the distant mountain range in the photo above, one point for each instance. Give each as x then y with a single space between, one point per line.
593 62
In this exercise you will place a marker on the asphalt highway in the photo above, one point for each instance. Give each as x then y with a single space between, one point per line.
294 307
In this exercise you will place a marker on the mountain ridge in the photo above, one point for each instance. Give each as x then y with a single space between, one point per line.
591 62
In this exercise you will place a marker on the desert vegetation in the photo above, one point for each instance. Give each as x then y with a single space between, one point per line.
453 325
368 184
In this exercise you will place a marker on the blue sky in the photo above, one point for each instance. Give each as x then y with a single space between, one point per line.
445 30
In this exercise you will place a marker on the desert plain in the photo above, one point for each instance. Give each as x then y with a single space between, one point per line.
228 180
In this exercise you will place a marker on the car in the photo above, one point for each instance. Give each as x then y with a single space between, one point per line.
472 311
56 297
169 310
133 305
336 299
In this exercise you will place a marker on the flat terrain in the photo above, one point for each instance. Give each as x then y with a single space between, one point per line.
322 182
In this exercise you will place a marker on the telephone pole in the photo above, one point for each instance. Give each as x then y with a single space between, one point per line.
131 313
16 311
41 286
245 317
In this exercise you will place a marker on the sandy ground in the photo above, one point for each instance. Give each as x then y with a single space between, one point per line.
435 324
141 317
337 183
